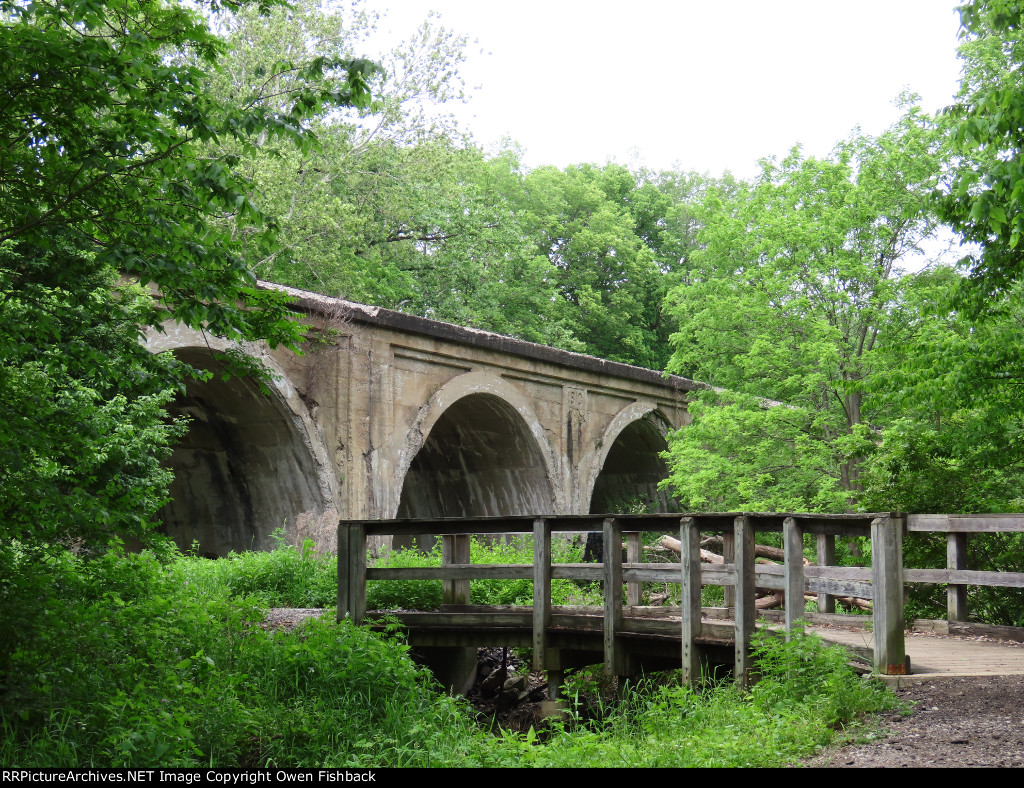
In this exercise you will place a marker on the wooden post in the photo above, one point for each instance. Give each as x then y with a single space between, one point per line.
887 590
728 556
541 591
614 662
956 593
689 557
634 549
793 540
352 572
743 563
455 550
826 557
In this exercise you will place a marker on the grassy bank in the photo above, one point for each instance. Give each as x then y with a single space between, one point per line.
129 660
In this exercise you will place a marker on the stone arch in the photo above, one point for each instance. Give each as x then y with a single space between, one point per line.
624 470
476 449
248 466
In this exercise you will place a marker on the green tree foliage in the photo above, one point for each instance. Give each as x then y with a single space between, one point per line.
792 295
953 442
982 197
588 222
106 126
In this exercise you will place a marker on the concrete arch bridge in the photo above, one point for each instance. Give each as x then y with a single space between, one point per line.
390 416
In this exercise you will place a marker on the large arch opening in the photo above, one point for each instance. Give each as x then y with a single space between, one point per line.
242 471
633 468
479 460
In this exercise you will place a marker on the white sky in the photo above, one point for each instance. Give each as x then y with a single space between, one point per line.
709 85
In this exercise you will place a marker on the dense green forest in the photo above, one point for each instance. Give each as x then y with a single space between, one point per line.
158 158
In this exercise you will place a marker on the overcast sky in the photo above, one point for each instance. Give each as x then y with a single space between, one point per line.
710 85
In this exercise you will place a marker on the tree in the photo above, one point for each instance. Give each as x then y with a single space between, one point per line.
982 196
792 294
609 285
106 127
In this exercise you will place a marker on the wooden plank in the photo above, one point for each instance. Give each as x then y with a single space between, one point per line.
541 590
970 629
887 579
633 556
656 573
592 572
455 551
965 577
613 656
452 572
690 608
490 619
853 588
966 523
825 545
793 541
860 573
719 575
745 609
956 594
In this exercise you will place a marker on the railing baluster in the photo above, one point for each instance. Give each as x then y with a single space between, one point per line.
887 605
614 664
689 557
541 590
793 539
745 610
352 572
455 550
956 593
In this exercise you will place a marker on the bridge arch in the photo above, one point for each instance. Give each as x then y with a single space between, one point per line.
251 462
476 448
623 471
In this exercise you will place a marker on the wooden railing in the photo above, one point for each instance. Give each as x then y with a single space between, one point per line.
958 527
621 618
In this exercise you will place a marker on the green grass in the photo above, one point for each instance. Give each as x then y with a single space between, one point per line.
127 660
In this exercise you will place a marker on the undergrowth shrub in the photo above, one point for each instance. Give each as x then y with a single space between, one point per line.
287 576
136 662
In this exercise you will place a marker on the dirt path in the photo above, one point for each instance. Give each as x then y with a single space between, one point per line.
976 721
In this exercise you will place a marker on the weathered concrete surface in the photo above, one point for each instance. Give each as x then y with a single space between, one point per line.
388 415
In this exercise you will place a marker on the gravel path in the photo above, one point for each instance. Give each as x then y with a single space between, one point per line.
971 721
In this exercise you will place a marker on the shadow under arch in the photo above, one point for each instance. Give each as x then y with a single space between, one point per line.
630 464
244 469
480 458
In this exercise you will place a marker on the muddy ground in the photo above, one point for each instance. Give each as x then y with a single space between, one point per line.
969 722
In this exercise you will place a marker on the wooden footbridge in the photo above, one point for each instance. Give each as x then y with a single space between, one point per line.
628 636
